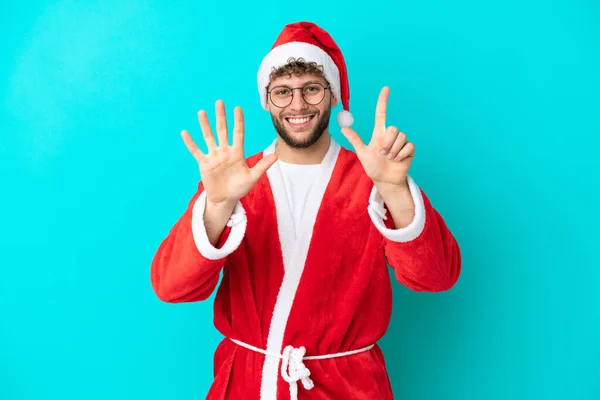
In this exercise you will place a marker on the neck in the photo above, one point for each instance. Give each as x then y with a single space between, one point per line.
311 155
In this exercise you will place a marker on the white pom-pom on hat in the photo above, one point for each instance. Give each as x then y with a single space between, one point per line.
345 119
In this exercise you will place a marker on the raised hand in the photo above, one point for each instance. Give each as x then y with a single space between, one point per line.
225 174
388 156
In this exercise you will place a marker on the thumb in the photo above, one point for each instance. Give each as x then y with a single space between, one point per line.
353 138
262 166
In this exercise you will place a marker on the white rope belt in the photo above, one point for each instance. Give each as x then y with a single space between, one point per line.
292 366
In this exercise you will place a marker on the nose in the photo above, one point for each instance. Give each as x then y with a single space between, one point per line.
298 102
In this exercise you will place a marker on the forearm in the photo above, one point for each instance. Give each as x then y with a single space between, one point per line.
431 261
399 202
421 249
215 219
186 265
179 273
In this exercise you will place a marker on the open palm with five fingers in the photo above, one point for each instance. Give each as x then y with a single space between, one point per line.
388 156
224 171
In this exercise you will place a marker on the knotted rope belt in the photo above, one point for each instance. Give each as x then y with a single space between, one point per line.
292 366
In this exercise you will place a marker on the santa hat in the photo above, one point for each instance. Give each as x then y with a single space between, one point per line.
308 41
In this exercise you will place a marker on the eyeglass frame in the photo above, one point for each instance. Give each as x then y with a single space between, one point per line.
293 89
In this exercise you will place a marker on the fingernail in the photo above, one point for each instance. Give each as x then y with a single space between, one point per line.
383 152
390 156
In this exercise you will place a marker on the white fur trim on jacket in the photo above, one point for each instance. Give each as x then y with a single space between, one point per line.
378 214
279 56
237 222
294 249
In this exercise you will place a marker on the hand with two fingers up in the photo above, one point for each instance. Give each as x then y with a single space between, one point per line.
386 160
389 154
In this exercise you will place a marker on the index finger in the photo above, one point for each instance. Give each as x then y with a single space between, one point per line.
381 109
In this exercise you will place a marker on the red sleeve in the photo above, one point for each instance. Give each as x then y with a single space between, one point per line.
179 272
430 262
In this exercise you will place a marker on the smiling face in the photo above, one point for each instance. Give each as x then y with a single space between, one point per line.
300 124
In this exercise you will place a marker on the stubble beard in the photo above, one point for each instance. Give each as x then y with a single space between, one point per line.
313 136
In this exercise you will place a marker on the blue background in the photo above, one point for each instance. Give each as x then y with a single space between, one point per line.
500 97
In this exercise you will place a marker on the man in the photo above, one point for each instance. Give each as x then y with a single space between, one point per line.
302 232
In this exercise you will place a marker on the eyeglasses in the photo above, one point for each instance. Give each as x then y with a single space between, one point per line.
282 96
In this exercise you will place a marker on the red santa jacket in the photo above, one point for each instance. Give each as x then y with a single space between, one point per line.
325 291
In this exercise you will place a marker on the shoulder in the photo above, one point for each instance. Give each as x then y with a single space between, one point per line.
349 163
348 155
253 159
349 176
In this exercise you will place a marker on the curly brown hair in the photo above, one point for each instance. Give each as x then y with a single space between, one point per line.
297 67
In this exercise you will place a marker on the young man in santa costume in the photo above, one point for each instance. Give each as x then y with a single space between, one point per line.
303 233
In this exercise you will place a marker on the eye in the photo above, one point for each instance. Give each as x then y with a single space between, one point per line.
281 91
312 89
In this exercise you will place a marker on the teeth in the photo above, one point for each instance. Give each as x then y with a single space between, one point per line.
299 120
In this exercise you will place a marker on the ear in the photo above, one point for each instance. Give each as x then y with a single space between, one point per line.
267 102
334 100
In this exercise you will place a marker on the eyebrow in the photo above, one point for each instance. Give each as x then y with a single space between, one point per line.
313 81
305 83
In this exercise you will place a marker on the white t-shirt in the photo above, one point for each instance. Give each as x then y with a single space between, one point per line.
298 180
